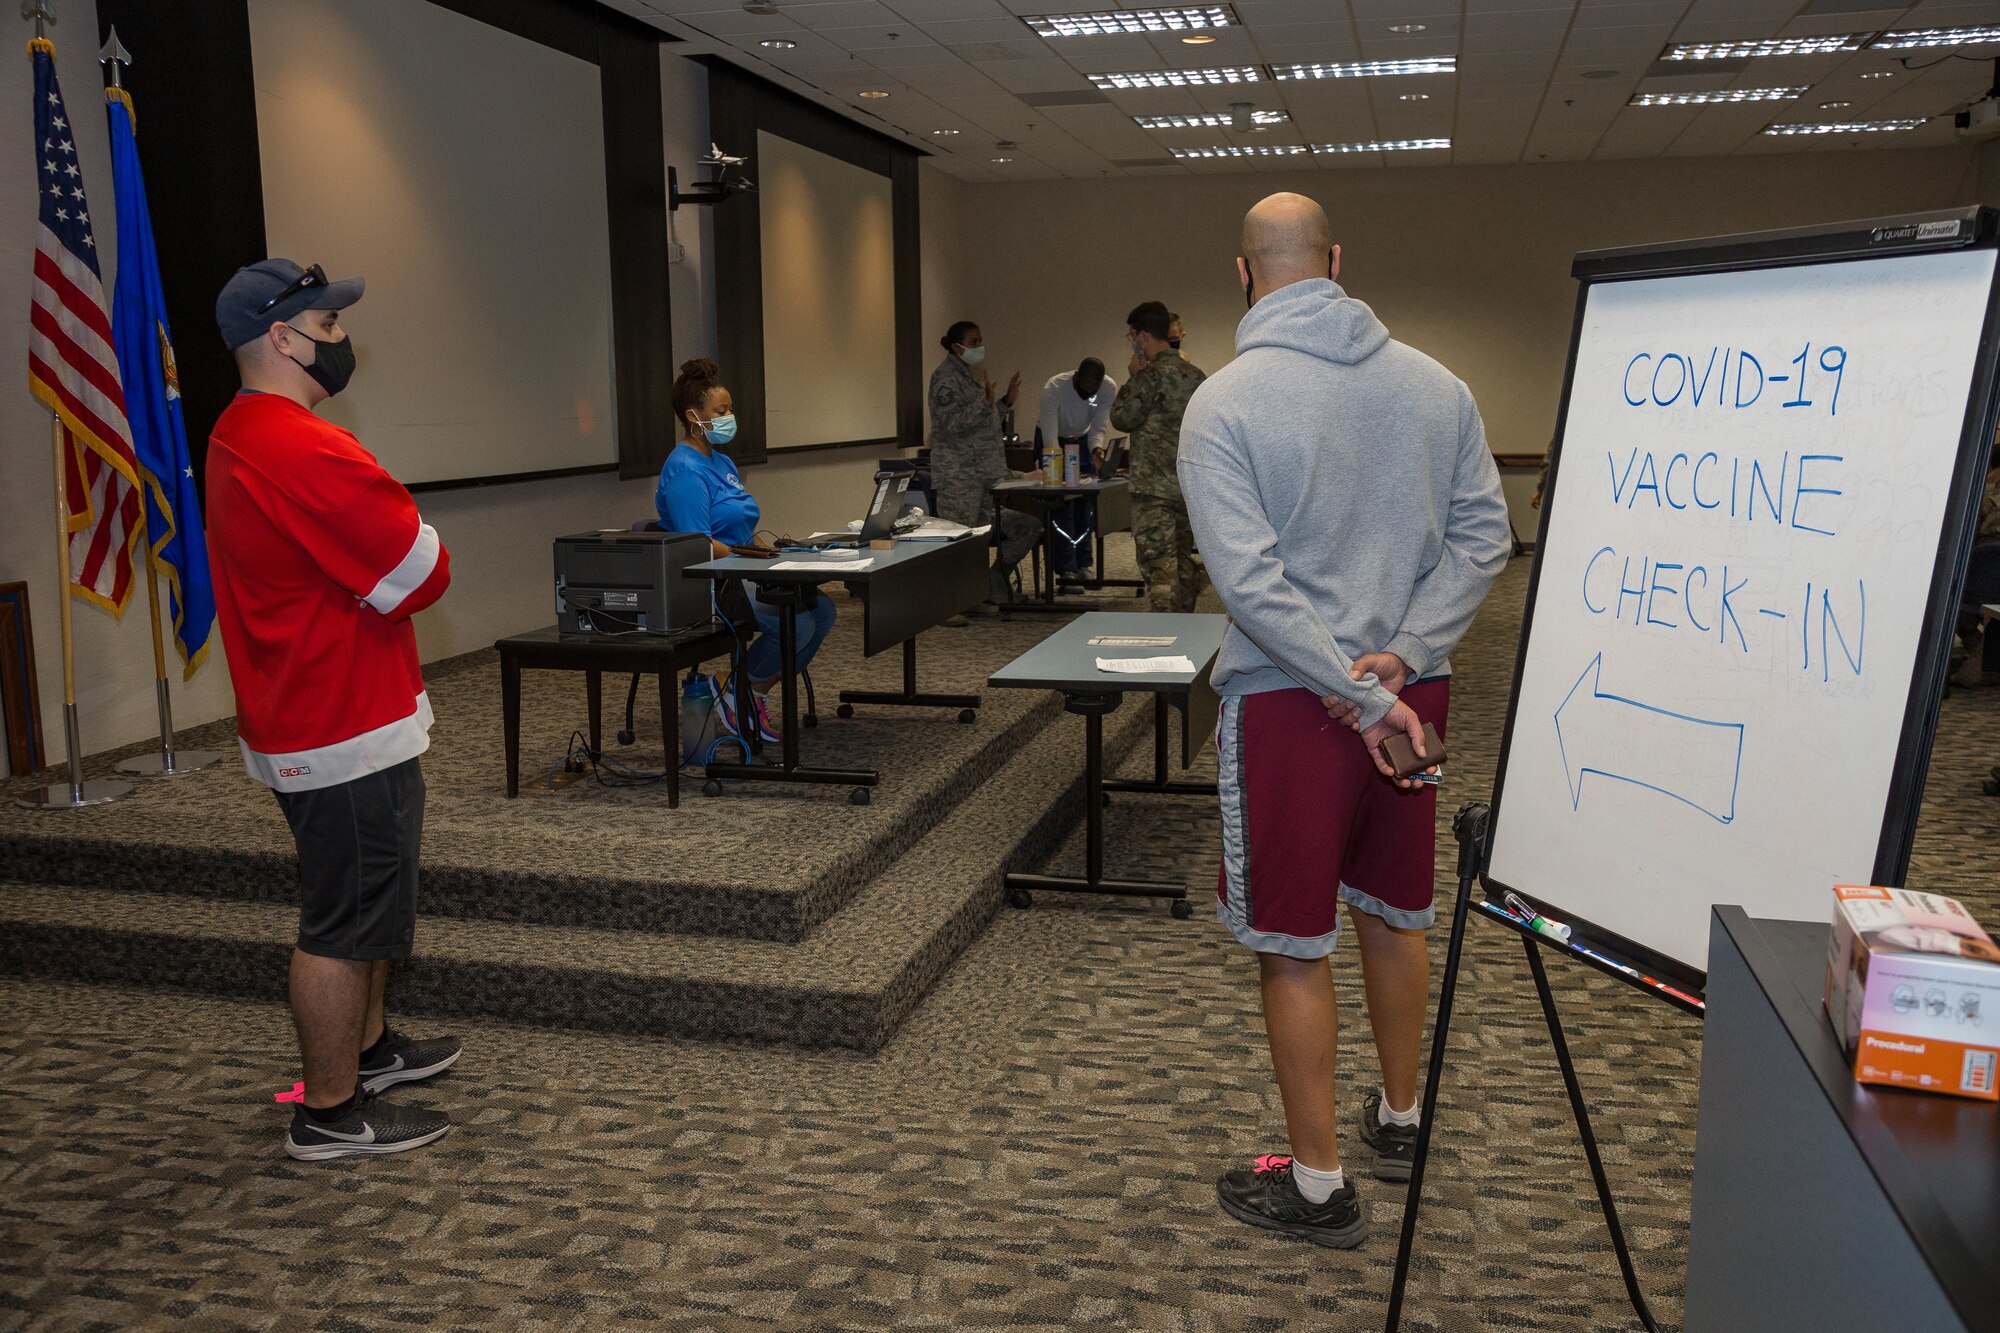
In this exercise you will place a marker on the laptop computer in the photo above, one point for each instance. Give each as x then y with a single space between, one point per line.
1114 459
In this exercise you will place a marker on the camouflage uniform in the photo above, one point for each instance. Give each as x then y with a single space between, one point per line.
967 458
1149 407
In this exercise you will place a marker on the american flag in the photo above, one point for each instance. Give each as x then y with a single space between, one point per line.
72 369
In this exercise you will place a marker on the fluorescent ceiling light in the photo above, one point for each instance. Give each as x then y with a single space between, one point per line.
1109 22
1848 127
1242 150
1179 78
1383 146
1771 46
1728 95
1211 122
779 43
1915 37
1368 69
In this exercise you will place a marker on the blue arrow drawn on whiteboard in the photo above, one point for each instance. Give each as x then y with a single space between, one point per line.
1692 759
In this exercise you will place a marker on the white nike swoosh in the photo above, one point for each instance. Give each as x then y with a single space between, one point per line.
385 1069
367 1134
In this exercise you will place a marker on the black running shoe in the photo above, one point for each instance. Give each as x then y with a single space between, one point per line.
371 1127
1395 1145
406 1059
1265 1196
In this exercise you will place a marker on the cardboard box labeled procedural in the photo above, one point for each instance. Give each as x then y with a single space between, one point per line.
1913 989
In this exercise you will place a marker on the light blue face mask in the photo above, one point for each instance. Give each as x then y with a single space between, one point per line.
972 356
721 430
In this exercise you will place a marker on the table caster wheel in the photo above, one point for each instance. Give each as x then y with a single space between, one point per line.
859 796
1990 787
968 716
626 737
1183 909
711 788
1104 799
1020 898
809 721
845 710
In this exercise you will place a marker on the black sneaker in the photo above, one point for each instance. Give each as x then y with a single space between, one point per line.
1265 1196
406 1059
371 1127
1395 1145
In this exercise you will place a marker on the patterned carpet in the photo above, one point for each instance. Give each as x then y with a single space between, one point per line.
1034 1150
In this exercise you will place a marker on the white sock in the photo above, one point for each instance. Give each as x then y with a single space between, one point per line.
1317 1186
1407 1119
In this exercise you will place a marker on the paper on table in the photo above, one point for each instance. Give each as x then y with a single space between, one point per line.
832 566
1146 666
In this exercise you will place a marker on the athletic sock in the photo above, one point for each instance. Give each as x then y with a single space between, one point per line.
1407 1119
328 1115
378 1048
1316 1186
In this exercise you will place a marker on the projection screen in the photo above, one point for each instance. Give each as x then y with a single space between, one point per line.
460 170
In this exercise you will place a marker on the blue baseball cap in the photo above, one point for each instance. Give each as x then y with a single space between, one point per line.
272 291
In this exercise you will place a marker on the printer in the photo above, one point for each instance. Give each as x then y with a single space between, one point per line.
622 581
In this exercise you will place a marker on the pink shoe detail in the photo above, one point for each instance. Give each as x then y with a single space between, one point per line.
1271 1161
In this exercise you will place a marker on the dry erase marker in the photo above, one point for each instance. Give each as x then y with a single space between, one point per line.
1536 922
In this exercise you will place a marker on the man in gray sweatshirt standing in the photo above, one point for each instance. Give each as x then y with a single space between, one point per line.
1342 495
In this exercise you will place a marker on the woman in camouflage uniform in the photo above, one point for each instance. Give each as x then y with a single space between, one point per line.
966 453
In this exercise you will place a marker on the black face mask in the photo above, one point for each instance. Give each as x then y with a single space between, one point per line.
333 363
1078 386
1174 343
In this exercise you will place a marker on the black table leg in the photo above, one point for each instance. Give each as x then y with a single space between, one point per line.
1093 706
1160 786
670 731
593 686
510 719
910 697
786 598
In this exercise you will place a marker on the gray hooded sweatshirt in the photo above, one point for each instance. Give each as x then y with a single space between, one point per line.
1342 497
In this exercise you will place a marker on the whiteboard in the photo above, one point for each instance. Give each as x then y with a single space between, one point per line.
1737 559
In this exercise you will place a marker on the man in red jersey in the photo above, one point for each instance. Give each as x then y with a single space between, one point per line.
320 559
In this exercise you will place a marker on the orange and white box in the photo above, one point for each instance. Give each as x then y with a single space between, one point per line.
1913 989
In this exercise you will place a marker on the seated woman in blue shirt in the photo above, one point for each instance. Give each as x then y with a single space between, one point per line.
700 491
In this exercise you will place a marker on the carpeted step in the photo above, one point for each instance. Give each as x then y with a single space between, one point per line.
849 983
766 861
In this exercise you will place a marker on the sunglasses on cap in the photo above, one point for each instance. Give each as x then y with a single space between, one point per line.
313 276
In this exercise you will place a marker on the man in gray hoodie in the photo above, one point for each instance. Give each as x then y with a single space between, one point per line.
1350 515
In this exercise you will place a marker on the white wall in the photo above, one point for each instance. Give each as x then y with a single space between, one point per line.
1470 264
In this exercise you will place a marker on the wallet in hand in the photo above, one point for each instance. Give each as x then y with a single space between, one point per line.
1402 756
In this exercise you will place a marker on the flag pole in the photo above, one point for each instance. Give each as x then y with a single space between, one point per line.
76 792
165 764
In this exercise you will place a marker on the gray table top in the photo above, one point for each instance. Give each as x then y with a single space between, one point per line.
749 567
1060 490
1067 660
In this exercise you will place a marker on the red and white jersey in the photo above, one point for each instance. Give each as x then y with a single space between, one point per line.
320 559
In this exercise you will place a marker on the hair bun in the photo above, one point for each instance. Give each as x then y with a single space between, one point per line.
700 368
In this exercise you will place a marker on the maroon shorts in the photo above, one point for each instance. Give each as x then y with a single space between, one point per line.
1308 820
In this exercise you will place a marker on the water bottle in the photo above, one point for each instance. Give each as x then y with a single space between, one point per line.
1072 466
697 712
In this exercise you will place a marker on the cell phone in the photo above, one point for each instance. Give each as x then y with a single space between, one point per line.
1402 756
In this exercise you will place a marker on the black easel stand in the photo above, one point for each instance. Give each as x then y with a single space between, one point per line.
1471 827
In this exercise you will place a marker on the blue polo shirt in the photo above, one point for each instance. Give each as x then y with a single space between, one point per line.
702 493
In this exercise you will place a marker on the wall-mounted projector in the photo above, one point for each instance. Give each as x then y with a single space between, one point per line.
1981 120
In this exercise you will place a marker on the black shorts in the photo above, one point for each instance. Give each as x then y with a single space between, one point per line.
358 863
